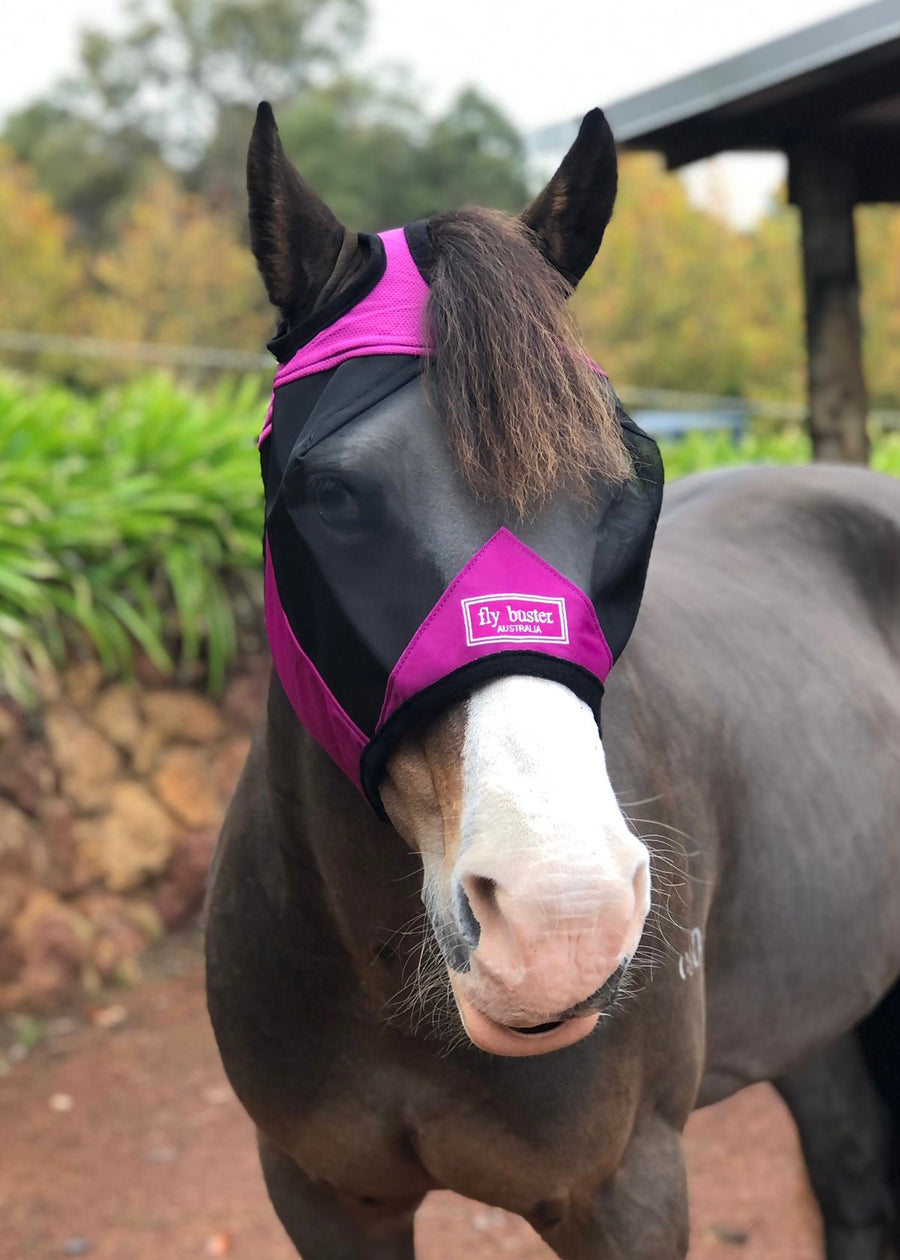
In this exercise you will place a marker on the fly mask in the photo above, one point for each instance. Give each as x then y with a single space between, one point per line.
367 637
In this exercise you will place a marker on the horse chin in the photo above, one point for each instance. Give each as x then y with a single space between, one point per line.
518 1041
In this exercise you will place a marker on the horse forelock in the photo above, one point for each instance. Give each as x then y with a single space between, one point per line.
524 410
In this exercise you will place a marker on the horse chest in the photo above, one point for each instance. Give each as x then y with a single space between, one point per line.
387 1123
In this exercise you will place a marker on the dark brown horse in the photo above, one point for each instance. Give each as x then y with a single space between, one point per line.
591 963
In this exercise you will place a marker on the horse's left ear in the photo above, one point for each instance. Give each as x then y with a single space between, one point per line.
294 236
570 216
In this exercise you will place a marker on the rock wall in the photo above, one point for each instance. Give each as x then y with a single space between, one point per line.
111 798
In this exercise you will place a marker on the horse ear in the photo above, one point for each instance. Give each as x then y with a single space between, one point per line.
295 238
570 216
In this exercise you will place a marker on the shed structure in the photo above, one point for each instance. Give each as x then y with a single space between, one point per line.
828 97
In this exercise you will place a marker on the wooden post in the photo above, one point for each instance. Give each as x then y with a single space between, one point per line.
822 185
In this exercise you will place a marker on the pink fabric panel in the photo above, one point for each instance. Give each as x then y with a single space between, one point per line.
506 599
267 423
304 686
389 320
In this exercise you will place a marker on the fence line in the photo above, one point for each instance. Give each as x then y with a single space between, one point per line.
207 357
212 358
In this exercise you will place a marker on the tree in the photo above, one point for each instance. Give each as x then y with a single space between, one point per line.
89 173
177 275
179 63
378 161
42 273
879 256
679 299
166 86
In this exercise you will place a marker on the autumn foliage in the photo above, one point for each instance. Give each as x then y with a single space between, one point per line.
677 299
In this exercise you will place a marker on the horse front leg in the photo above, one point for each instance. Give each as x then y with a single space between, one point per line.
325 1225
641 1213
844 1129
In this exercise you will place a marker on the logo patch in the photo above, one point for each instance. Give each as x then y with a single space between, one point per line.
520 619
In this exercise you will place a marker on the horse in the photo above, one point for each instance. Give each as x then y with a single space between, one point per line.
510 955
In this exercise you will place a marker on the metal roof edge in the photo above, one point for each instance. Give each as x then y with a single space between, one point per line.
719 83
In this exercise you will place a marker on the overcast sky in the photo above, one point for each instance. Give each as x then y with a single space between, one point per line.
541 62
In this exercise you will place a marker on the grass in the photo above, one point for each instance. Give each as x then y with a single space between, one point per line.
125 515
699 451
122 517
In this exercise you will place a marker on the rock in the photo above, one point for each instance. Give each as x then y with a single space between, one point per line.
12 721
81 682
145 755
86 760
56 820
13 892
179 897
50 941
48 685
12 960
229 762
109 1017
148 673
117 941
185 785
77 1247
218 1244
133 840
22 849
26 775
142 914
118 716
184 716
244 701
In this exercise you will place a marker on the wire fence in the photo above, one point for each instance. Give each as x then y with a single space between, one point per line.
212 358
208 358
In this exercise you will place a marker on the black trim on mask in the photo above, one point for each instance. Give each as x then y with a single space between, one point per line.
456 686
419 244
625 538
287 341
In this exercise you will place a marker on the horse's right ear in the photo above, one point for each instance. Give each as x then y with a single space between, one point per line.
570 216
294 236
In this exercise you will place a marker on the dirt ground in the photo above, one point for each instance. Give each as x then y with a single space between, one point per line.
120 1140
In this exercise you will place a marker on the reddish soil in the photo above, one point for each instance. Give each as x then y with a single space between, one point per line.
126 1143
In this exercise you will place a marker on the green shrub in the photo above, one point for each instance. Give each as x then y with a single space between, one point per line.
699 451
121 518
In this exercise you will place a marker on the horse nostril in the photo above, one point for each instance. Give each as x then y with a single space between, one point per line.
482 894
469 927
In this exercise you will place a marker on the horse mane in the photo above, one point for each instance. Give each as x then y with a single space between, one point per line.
524 410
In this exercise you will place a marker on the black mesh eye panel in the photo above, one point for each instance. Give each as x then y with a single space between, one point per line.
312 408
354 597
625 538
335 646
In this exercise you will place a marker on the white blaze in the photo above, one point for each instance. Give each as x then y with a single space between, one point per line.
557 881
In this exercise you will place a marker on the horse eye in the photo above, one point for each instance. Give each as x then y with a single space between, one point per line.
335 501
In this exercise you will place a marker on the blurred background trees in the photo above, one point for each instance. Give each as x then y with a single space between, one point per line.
123 204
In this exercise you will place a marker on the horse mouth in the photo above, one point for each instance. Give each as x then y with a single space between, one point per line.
513 1041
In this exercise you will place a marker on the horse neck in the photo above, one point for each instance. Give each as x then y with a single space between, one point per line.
368 891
